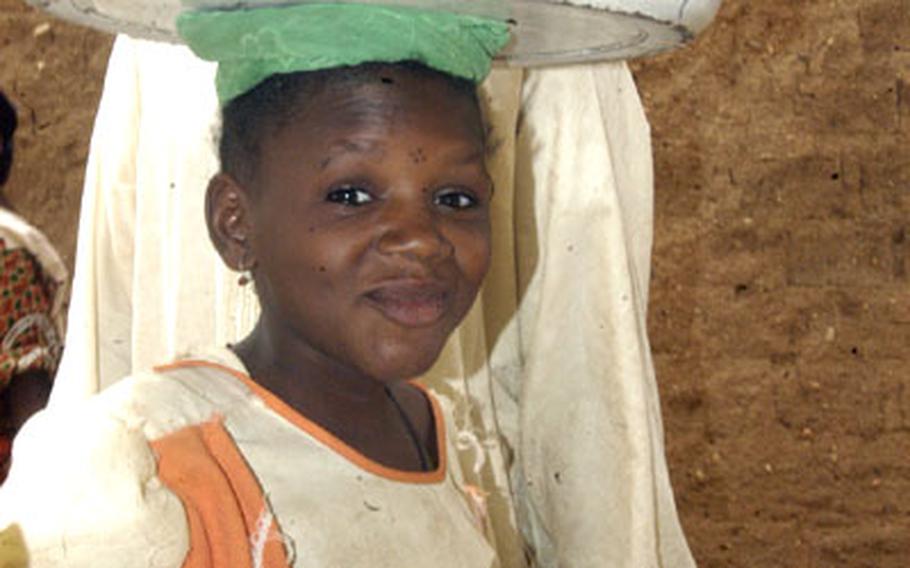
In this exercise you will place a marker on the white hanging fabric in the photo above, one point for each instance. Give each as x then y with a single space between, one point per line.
549 378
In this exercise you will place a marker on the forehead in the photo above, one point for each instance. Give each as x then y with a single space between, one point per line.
383 101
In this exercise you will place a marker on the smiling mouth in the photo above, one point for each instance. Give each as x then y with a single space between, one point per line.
409 303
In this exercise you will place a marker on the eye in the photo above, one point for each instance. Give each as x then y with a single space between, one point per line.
456 199
349 195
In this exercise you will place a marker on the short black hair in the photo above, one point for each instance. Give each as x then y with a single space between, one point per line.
265 109
8 123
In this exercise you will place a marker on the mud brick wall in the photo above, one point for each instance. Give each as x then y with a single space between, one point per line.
780 309
53 74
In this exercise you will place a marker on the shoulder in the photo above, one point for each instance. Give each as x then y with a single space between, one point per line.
94 430
17 233
84 491
170 397
110 431
84 487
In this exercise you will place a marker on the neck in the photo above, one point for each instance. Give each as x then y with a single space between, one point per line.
296 372
383 421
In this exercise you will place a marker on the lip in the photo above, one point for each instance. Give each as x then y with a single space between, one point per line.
409 302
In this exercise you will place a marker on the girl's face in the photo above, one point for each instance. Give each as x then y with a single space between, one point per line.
370 224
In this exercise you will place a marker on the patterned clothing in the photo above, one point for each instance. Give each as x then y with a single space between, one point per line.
30 341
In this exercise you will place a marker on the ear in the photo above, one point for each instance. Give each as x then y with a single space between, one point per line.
229 217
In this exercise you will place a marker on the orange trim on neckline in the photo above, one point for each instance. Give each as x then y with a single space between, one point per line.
325 437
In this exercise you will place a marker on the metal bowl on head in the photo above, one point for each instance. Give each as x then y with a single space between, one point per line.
543 31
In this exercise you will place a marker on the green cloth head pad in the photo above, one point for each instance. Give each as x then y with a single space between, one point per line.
251 45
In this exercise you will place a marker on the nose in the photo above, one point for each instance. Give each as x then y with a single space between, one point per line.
413 232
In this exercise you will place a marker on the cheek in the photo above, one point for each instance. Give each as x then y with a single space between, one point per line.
338 253
326 265
473 250
295 267
297 244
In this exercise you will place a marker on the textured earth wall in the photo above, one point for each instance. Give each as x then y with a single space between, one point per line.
53 74
780 310
780 302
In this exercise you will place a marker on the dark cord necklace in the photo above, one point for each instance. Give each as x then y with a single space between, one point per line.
422 453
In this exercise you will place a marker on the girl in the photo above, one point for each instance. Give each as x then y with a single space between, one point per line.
357 199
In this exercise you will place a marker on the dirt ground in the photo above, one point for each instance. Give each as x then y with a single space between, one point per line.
780 302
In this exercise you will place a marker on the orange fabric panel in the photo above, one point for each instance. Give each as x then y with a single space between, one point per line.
226 510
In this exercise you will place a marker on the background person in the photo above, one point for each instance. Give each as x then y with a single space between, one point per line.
32 287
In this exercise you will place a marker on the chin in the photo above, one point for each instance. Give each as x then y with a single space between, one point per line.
403 362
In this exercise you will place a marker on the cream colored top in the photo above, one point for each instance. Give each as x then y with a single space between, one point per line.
101 503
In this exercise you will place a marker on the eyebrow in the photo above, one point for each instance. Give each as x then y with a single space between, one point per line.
479 155
359 146
369 147
351 145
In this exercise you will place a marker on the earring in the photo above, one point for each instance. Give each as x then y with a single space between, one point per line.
246 271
